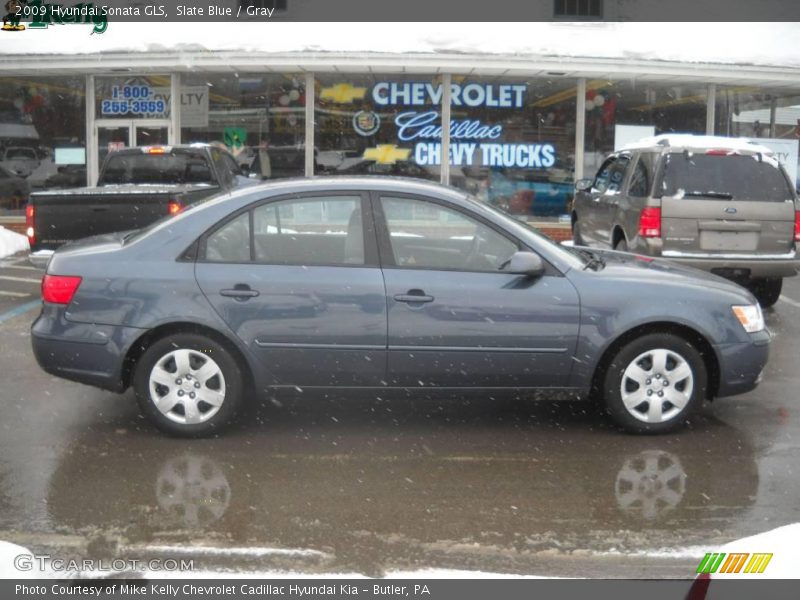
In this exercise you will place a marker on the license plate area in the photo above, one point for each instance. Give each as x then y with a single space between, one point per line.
729 241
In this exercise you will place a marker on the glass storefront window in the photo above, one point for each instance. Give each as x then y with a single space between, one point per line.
512 142
770 115
42 137
623 111
259 117
374 124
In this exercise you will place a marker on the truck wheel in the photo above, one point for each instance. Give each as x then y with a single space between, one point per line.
654 383
766 291
188 385
576 233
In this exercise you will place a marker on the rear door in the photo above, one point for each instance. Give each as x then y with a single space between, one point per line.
297 280
717 203
595 204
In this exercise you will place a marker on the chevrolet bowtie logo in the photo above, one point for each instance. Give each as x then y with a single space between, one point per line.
386 154
342 93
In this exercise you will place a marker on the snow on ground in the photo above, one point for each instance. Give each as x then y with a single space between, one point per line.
9 554
784 545
11 242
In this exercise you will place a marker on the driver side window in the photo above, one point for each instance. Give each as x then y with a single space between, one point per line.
426 235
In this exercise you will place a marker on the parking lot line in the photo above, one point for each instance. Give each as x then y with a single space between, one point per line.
788 300
23 279
14 294
19 310
16 266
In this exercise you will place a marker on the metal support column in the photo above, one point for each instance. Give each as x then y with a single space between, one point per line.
91 139
446 99
711 108
174 135
580 127
310 93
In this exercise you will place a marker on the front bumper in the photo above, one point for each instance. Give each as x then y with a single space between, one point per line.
83 352
741 365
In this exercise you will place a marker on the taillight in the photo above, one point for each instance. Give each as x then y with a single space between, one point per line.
650 222
30 224
174 207
797 226
59 289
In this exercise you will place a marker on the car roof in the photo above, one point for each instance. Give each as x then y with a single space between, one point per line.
681 141
387 183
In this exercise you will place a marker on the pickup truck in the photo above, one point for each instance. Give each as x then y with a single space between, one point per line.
136 187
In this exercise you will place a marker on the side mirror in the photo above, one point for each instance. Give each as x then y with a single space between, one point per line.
583 185
526 263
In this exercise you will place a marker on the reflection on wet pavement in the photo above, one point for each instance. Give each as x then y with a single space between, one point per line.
399 484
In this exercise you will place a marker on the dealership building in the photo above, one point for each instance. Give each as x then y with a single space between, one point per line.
531 107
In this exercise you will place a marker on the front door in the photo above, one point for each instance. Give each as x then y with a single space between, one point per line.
455 319
298 281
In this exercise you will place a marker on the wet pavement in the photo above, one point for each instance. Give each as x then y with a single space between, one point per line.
363 484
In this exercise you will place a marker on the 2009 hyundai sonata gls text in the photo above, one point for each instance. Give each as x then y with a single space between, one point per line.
380 282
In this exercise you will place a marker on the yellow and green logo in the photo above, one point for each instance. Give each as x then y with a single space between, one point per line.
735 562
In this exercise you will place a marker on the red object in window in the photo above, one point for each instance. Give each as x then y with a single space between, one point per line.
174 207
30 224
797 226
59 289
650 222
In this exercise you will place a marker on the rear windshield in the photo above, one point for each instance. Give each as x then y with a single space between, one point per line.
726 177
177 167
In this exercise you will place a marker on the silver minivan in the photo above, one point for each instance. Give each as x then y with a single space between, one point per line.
723 205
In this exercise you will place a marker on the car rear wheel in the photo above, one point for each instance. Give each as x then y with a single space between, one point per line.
767 291
654 383
188 385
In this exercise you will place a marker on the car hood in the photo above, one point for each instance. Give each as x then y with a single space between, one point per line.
657 271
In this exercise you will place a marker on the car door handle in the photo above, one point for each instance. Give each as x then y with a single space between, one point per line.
413 296
240 292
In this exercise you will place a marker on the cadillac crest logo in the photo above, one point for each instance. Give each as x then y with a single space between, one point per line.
366 123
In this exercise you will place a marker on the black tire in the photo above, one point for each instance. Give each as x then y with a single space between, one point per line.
227 389
766 291
676 348
576 233
621 245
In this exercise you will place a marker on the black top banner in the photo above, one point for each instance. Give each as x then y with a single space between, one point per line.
41 13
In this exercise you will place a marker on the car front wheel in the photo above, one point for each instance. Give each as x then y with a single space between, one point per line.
188 385
654 383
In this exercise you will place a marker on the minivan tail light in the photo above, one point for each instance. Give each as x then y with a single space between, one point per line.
174 207
797 226
59 289
30 224
650 222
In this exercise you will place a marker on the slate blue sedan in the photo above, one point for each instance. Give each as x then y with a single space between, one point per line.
385 283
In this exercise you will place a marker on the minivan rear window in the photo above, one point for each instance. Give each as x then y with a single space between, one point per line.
725 177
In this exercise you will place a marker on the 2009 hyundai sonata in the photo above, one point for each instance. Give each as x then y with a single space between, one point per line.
380 282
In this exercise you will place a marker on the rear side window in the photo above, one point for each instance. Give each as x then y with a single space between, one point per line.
177 168
231 242
726 177
642 177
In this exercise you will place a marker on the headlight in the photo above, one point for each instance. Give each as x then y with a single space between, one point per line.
750 317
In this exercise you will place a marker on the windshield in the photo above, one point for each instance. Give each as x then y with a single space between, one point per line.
174 168
725 177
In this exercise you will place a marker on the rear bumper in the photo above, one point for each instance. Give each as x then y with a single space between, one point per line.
779 266
82 352
742 365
